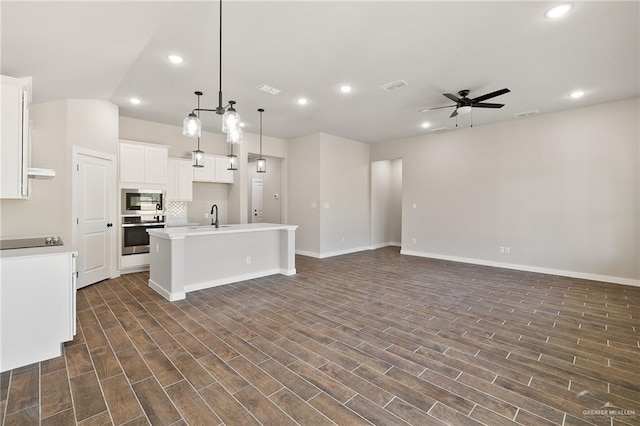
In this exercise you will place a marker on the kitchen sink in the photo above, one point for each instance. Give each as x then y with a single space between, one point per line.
206 227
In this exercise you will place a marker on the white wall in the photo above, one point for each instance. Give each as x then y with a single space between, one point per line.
560 189
56 128
329 190
304 190
345 177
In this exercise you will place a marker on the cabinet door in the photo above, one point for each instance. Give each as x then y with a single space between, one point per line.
38 308
206 173
155 165
222 174
179 180
14 139
132 163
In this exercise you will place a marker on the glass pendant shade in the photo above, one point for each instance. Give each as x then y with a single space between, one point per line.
198 158
234 136
261 165
230 120
232 162
191 126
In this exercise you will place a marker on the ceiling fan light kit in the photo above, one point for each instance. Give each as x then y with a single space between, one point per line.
464 105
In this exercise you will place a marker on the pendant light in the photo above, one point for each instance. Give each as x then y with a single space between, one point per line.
192 127
197 156
261 163
232 160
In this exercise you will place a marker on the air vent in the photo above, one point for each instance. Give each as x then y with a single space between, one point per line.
268 89
440 129
394 85
527 113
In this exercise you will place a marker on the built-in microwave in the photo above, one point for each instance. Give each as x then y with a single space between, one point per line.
142 201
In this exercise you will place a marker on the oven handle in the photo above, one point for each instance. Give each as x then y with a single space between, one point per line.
133 225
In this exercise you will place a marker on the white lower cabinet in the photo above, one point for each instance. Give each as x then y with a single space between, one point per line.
38 301
214 170
179 180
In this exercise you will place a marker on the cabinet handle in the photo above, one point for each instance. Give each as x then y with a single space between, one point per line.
109 225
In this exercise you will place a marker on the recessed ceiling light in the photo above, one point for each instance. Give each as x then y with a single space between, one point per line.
345 88
558 11
577 94
425 125
302 101
175 59
135 101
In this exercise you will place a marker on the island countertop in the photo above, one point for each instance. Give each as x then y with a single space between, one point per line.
191 231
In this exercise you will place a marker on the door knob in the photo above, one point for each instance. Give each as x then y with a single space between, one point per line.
109 225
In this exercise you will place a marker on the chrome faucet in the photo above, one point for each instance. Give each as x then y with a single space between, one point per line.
215 222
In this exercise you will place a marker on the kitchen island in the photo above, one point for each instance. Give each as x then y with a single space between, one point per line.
191 258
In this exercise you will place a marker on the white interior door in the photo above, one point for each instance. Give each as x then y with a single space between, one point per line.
256 201
95 197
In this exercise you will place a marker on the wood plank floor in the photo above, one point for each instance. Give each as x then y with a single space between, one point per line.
366 338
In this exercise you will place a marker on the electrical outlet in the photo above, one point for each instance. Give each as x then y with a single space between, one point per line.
415 206
248 260
507 250
314 205
206 215
413 240
344 239
501 249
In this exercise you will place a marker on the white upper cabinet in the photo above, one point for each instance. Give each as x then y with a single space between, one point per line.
214 170
15 142
143 164
179 180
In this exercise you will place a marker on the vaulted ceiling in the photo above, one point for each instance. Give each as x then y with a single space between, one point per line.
118 50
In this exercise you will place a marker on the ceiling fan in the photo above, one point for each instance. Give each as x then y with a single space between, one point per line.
463 104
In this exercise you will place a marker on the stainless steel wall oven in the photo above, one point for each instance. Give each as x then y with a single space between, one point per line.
141 210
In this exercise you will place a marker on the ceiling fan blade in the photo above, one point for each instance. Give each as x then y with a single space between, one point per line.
454 113
452 97
490 95
486 105
431 109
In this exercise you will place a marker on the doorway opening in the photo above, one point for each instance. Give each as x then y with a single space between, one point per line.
264 191
386 203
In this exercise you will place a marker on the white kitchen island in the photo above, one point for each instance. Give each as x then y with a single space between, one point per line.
193 258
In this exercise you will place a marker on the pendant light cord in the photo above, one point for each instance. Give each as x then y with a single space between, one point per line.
198 119
220 63
261 132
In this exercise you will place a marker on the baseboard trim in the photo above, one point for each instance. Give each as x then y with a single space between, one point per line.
171 297
234 279
527 268
382 245
308 254
332 253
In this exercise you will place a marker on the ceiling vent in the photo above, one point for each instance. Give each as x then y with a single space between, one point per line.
268 89
394 85
440 129
527 113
